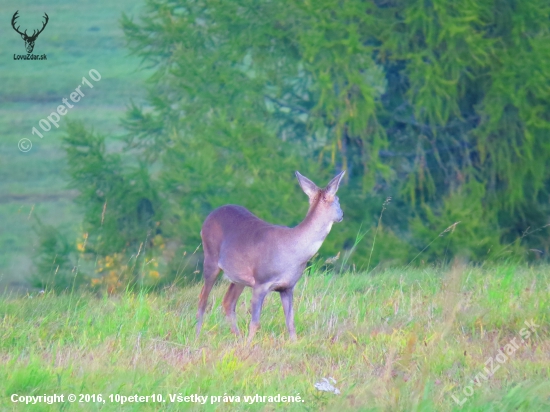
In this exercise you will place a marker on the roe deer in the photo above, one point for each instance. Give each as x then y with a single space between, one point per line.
263 256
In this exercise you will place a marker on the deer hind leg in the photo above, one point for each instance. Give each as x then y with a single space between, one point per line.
210 271
230 303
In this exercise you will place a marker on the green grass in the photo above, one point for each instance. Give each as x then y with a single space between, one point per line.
394 341
79 36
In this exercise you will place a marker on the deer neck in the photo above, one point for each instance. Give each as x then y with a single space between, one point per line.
311 233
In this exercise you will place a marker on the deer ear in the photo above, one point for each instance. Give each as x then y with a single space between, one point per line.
309 188
332 187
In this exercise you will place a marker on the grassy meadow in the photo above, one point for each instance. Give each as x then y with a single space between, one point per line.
397 340
34 184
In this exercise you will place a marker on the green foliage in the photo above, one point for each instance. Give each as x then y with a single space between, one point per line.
121 242
121 204
56 261
249 108
416 99
440 105
467 106
463 229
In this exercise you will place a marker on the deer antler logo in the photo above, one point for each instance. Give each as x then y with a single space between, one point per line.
29 40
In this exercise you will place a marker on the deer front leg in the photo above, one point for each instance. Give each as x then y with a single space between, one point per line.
258 296
286 299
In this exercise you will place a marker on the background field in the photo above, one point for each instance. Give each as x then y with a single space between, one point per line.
394 341
34 183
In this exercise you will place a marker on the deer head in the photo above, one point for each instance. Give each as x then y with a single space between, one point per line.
324 200
29 40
